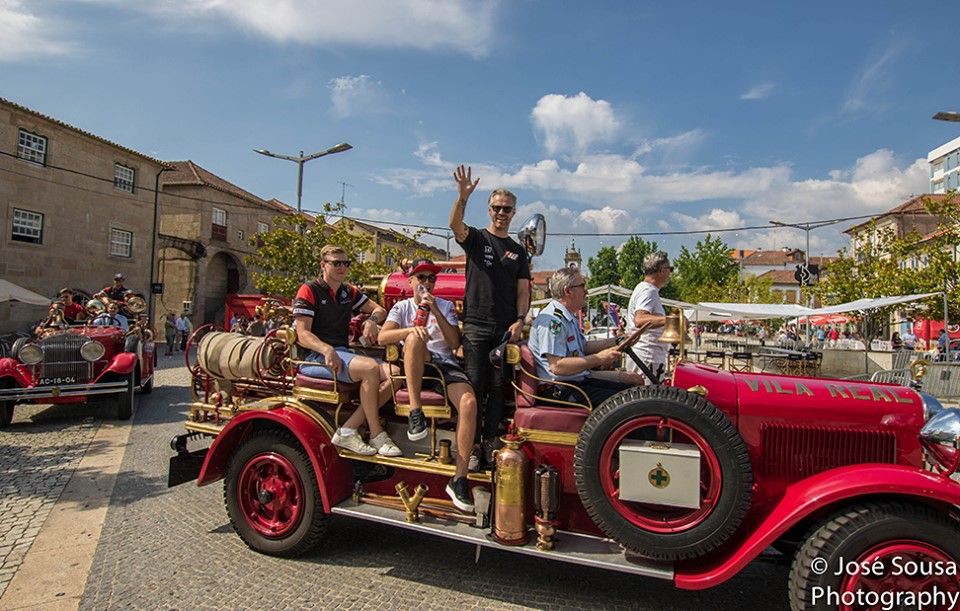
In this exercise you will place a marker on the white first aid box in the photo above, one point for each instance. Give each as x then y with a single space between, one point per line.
660 473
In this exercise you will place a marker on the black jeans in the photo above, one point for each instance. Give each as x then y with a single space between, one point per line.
488 382
596 389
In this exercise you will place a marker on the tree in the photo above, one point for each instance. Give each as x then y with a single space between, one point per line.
706 274
603 271
290 252
630 260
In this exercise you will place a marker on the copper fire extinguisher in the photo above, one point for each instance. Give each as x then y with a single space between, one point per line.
510 475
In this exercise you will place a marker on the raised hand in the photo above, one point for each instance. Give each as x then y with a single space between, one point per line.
465 184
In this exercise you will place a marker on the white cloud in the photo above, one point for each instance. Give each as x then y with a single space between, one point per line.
591 220
758 92
574 123
871 81
352 96
464 26
716 218
25 35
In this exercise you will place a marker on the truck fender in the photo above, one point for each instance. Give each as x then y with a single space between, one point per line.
817 493
11 368
334 474
122 364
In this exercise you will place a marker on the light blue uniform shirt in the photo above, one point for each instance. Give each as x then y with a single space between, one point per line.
556 331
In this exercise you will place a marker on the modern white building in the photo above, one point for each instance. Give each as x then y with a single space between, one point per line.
945 167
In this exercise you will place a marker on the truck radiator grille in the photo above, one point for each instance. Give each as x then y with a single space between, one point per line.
794 452
62 360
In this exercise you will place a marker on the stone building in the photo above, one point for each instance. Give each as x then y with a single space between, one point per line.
909 217
206 223
75 208
387 242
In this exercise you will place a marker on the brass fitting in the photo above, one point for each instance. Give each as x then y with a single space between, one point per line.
411 503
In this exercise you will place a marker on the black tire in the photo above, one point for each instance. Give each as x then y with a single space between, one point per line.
125 401
854 532
147 387
303 532
705 530
6 413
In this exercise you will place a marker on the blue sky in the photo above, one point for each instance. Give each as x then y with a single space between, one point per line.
605 116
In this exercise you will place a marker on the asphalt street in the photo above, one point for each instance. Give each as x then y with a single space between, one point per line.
175 549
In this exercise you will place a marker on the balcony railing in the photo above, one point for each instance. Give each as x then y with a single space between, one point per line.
218 232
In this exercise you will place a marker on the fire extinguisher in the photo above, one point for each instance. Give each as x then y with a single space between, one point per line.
509 505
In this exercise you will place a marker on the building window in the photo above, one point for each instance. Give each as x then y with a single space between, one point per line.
32 147
121 243
123 177
262 228
27 226
219 229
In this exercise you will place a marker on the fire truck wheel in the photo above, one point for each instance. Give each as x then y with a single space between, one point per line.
272 496
661 531
6 413
126 400
887 548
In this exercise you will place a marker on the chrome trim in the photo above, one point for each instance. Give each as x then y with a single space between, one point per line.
59 392
944 428
931 405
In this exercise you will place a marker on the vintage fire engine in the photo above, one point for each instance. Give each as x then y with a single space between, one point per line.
687 481
79 363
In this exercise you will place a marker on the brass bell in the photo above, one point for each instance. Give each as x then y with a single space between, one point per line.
672 329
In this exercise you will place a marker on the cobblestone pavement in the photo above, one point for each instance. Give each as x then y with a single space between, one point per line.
38 454
175 549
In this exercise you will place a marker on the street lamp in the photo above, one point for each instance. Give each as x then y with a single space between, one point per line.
302 159
947 115
153 244
954 117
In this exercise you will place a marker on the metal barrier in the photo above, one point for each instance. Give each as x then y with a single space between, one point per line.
903 358
942 380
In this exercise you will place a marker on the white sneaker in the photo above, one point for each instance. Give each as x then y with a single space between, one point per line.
353 443
385 445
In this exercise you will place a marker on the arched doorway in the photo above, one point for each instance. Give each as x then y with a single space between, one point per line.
225 274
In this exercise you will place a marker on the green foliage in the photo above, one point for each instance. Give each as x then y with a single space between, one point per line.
603 271
289 253
708 273
630 260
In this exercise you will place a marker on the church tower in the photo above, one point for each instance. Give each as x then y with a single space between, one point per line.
572 257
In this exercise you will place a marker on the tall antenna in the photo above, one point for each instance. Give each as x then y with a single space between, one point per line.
343 190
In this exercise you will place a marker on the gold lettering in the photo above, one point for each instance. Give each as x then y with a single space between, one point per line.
780 390
802 389
880 394
900 399
837 391
853 393
766 384
753 385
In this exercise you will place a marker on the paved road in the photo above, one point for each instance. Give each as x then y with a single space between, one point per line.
175 549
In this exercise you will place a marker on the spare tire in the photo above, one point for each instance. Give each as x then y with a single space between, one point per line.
659 531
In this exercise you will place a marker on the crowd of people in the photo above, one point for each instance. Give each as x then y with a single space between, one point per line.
176 331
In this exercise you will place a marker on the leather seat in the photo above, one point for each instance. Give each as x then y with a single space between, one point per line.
544 417
324 384
427 397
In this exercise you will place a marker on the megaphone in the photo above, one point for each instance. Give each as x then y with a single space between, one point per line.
533 235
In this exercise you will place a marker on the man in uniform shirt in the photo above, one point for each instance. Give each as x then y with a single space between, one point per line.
496 299
645 308
322 311
562 352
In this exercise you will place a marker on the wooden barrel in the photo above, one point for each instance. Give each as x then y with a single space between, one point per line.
232 356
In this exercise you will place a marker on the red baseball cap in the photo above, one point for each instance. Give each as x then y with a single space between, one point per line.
423 265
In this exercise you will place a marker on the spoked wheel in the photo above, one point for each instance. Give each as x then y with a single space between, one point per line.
272 496
887 550
673 416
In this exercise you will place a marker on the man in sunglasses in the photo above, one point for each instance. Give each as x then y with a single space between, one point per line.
322 311
645 308
496 299
563 354
435 342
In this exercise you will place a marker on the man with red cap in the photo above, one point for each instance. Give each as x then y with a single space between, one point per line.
434 339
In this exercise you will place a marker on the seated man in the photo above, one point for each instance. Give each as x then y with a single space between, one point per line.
72 311
563 354
434 341
112 317
322 311
115 291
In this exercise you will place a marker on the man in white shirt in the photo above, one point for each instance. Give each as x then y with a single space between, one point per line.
112 317
645 308
434 341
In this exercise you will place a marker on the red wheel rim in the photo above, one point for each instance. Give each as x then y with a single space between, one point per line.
271 496
898 574
654 518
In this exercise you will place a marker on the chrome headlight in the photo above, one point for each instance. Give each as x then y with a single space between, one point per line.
31 354
931 406
92 351
944 428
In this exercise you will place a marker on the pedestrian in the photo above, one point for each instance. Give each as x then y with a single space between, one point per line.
821 337
896 342
909 339
496 299
646 310
256 327
170 331
184 328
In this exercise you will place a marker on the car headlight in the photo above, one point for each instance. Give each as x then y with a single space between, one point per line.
92 351
931 406
31 354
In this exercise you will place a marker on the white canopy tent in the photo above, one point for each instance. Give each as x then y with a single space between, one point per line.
11 292
712 311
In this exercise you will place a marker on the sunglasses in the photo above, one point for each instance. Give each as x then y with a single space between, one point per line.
503 209
427 277
338 262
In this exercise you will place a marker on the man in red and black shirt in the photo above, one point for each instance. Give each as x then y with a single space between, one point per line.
72 311
322 311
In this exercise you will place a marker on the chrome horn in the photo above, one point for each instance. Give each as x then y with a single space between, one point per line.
96 307
135 304
533 235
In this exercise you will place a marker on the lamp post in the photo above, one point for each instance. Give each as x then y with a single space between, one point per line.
805 276
446 236
302 159
153 242
953 117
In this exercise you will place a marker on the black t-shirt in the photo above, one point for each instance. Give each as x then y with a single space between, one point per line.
493 267
331 310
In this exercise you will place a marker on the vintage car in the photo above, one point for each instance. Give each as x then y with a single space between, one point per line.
79 363
687 481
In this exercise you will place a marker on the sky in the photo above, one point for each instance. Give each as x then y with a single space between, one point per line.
606 117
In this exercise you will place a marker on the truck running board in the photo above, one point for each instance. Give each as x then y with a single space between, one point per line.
570 547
